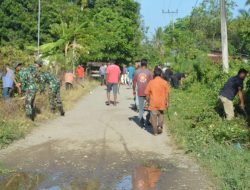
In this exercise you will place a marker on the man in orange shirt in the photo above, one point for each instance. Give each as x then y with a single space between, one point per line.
157 94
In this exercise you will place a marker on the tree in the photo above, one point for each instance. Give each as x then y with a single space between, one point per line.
97 30
158 41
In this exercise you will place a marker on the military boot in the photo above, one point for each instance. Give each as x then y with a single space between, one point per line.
61 111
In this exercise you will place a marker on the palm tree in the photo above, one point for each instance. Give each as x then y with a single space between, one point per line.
67 42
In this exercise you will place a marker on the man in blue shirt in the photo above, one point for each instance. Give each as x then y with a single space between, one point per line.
131 72
233 87
7 76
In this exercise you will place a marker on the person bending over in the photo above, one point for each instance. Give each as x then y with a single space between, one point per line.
232 87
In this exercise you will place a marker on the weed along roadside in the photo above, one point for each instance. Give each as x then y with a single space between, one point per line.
222 147
14 125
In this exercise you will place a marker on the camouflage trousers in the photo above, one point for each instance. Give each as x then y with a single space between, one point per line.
55 100
29 102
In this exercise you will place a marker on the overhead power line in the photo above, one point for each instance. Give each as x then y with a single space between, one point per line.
172 13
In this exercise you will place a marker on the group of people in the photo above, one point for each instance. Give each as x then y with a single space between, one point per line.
70 78
126 75
28 81
151 91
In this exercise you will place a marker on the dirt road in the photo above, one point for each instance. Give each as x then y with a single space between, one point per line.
99 147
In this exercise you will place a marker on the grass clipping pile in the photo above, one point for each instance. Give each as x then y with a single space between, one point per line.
14 125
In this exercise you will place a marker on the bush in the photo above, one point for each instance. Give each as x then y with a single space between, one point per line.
221 146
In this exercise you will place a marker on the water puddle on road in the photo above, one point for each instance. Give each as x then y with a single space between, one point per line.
142 178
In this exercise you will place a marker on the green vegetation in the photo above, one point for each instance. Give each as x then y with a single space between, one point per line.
71 31
199 34
77 31
197 120
222 147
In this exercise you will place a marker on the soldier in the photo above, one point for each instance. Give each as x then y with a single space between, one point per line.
27 85
18 69
54 91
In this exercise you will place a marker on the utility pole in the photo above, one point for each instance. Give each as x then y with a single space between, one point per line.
38 28
172 13
224 39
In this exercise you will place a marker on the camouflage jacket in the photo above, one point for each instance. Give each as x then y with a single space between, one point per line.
27 78
48 78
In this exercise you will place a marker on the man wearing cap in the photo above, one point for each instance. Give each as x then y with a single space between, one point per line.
54 91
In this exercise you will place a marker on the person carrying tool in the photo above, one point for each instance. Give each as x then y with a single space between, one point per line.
157 95
231 88
54 91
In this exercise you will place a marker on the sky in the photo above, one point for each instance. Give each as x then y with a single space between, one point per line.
151 11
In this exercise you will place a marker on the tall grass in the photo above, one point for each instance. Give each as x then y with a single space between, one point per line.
13 123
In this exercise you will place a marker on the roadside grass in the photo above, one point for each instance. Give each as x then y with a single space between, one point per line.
220 146
14 125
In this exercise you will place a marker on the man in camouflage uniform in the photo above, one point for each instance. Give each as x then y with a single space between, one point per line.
28 86
18 69
54 91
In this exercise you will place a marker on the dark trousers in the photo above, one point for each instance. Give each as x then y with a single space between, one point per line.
55 100
29 102
6 92
102 80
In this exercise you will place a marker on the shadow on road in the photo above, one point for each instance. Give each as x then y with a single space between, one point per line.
147 127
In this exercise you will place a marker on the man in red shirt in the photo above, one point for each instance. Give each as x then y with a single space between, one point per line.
80 72
157 93
113 73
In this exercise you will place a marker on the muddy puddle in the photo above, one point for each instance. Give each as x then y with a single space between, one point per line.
142 178
99 170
